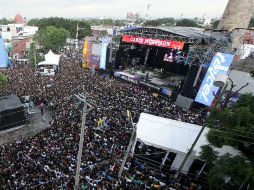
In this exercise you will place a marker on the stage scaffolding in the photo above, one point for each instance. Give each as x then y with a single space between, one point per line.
203 49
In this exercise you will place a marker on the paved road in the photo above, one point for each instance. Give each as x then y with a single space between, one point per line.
36 124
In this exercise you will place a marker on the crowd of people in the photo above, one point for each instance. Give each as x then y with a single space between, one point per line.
48 159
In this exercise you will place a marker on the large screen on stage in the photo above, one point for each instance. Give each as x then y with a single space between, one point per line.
153 42
219 65
168 57
104 45
96 53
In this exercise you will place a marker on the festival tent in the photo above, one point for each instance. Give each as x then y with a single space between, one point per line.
47 63
50 59
50 66
172 136
4 60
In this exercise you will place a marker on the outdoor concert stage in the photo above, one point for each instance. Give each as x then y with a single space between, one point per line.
155 80
182 53
154 58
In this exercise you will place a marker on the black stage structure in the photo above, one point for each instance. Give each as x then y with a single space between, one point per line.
200 45
12 113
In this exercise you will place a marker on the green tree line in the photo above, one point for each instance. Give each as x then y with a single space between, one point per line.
232 126
5 21
67 24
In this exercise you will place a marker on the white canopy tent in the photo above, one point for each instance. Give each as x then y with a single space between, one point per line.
46 63
50 65
52 58
172 136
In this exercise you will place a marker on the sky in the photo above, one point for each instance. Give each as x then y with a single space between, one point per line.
112 8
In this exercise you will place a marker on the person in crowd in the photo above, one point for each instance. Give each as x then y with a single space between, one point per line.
41 107
48 159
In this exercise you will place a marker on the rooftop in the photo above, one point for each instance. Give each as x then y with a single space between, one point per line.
9 102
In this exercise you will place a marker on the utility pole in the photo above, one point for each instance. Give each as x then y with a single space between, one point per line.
82 98
189 152
76 40
35 60
200 132
132 140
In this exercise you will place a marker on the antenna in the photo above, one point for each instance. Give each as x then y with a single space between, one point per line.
148 8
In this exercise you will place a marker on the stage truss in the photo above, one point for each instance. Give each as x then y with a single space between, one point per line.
202 51
157 34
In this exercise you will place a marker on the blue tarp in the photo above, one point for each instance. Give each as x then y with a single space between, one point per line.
4 60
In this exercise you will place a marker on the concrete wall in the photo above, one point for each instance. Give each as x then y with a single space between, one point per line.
236 15
240 79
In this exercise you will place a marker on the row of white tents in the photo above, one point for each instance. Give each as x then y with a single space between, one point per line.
174 136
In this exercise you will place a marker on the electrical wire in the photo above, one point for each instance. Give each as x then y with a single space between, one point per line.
235 134
236 140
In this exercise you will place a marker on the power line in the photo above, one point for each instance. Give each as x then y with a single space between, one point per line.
232 139
234 134
240 131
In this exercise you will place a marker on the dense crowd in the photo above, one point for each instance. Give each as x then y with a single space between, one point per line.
48 159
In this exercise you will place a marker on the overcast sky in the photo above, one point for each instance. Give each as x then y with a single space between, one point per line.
111 8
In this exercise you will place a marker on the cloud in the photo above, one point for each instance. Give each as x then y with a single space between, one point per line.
112 8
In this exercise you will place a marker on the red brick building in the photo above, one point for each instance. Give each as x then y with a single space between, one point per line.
19 48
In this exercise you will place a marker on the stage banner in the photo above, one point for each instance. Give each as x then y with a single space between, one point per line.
85 49
153 42
103 55
4 61
219 66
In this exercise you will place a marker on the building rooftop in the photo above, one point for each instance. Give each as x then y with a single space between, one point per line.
9 102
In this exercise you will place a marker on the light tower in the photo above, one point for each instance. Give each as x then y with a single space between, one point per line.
236 15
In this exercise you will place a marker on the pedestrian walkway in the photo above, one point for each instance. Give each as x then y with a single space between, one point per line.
34 125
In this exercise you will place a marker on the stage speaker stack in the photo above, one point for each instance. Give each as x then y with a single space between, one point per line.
188 90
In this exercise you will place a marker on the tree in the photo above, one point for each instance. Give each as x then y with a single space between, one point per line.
52 38
103 33
3 80
103 22
33 55
161 22
231 173
252 73
215 24
152 23
251 25
208 155
233 126
4 21
67 24
119 23
187 23
167 21
33 22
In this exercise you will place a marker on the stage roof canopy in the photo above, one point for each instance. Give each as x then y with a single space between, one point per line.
180 33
